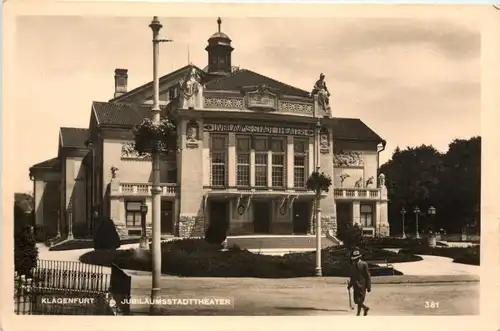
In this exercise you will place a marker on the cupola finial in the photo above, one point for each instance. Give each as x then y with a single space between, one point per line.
219 22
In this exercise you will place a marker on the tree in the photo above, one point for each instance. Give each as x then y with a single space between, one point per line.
451 182
25 250
460 185
105 234
412 179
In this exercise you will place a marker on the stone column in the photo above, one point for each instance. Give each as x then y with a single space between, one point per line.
231 162
356 210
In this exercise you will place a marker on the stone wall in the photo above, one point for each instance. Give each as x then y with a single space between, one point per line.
328 223
190 226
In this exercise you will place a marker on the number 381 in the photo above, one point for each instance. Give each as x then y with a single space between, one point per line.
432 304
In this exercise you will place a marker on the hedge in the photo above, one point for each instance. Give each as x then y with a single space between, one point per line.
198 258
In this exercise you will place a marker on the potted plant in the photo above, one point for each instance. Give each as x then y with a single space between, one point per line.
318 183
151 137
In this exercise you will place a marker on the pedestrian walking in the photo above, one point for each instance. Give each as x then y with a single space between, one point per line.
360 282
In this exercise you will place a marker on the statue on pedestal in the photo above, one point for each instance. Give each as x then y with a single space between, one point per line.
321 90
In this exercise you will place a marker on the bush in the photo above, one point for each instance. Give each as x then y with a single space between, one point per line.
198 258
105 234
466 255
351 236
25 250
215 234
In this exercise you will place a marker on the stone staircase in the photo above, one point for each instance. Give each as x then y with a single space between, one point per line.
285 242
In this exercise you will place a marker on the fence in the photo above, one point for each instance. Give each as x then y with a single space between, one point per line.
120 288
62 288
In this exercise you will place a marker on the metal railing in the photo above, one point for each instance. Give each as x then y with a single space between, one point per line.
62 288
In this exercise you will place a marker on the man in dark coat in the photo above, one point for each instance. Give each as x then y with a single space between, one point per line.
360 281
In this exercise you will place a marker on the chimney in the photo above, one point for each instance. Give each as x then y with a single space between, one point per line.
121 77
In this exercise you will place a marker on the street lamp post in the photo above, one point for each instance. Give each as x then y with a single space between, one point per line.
319 271
417 211
143 243
156 189
432 213
403 212
432 235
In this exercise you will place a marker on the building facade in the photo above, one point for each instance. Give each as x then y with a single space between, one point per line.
247 145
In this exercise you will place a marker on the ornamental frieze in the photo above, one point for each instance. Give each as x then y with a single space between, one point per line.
349 159
239 103
223 103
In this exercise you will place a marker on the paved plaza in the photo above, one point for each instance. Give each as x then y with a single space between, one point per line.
434 279
309 296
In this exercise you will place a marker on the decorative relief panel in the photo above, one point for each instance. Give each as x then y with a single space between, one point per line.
262 98
192 134
129 152
324 141
223 103
297 108
349 159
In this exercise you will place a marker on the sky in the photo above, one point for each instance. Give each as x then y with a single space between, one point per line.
413 81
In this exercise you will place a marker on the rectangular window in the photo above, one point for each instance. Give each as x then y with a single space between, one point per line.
242 161
261 152
218 160
300 150
278 162
133 214
366 216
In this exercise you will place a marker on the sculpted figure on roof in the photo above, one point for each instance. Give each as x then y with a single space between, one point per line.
190 86
321 90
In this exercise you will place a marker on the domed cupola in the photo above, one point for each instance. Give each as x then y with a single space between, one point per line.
219 52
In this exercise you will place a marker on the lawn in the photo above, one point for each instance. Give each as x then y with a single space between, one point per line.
197 258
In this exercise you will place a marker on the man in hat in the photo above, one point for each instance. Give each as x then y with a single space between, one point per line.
360 281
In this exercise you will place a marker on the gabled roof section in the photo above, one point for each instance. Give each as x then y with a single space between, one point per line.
122 114
47 164
352 129
124 98
244 77
73 137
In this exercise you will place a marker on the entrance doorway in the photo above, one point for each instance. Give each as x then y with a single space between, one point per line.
218 213
167 217
262 216
301 216
344 215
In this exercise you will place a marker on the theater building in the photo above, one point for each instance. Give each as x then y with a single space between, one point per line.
247 144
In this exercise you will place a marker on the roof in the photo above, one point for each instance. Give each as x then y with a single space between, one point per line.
220 35
121 114
352 129
74 137
149 85
244 77
47 164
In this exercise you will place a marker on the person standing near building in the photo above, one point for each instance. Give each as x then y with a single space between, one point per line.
360 282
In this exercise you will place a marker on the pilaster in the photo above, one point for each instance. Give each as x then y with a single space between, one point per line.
289 162
231 162
356 213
